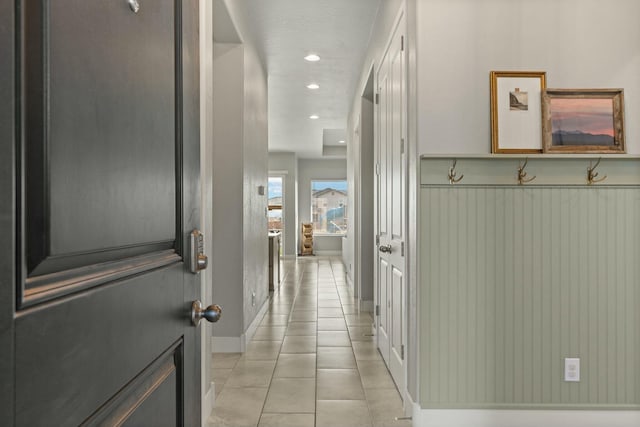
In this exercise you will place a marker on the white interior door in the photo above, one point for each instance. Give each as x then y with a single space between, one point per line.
391 202
382 209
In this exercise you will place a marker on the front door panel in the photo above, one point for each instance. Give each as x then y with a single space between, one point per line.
108 141
101 165
93 345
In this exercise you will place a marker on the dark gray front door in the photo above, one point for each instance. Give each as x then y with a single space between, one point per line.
99 167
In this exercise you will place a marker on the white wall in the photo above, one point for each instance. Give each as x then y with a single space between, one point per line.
227 251
579 43
287 163
240 250
255 240
308 170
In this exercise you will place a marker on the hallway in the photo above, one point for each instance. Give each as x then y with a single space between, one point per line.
312 361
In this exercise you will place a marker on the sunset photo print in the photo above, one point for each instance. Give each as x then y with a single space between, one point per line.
583 121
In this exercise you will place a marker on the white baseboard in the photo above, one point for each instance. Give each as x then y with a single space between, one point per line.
412 409
239 344
523 418
366 305
208 402
349 281
327 253
226 345
251 330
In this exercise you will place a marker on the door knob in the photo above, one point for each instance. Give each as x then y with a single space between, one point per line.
385 249
211 313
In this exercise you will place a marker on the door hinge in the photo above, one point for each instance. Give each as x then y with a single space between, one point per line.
402 43
401 248
377 98
377 240
378 169
402 352
402 146
377 310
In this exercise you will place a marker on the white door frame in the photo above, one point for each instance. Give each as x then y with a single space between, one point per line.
206 198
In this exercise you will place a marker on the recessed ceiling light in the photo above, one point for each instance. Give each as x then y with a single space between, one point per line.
341 141
312 57
313 86
314 117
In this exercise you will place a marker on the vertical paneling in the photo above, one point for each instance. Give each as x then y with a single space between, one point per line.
515 279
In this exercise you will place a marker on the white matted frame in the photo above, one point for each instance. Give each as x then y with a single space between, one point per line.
516 111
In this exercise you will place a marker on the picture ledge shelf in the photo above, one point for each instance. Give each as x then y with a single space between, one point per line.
531 156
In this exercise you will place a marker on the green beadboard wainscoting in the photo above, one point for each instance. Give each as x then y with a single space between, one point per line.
515 278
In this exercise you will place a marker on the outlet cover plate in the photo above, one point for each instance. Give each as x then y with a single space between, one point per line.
572 369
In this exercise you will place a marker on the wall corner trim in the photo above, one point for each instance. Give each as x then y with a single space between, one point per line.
251 330
208 401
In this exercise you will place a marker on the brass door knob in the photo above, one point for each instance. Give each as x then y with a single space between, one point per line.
385 249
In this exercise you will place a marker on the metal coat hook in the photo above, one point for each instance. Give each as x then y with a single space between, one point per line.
592 175
453 173
134 5
522 175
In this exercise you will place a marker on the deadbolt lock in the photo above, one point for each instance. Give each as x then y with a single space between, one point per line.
198 259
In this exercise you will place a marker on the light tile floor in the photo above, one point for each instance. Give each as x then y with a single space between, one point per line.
312 361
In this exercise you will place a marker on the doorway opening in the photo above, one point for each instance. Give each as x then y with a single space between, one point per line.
275 193
365 198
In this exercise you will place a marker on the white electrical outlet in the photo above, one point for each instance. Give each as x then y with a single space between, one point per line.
572 369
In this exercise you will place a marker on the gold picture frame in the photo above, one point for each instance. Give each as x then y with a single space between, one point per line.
583 121
516 111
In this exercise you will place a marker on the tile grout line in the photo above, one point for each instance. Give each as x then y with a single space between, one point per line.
281 343
354 356
298 286
296 290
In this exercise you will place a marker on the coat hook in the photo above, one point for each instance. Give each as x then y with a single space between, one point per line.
522 175
452 174
592 175
134 5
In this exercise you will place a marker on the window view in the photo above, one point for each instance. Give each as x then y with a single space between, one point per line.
329 206
275 203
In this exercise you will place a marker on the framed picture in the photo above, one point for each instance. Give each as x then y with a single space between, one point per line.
583 120
516 112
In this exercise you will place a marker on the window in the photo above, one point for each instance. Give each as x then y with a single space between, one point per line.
275 202
329 206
